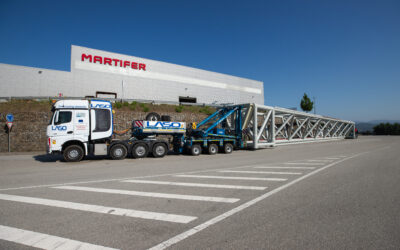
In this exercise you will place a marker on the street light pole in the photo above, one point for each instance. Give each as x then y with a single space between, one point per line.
315 106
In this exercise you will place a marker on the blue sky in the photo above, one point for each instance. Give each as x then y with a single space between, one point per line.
345 53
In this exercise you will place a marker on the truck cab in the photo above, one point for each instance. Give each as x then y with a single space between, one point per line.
76 124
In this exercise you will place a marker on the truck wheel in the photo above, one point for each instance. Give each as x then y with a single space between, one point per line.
153 116
228 148
195 149
118 152
73 153
140 150
159 150
212 149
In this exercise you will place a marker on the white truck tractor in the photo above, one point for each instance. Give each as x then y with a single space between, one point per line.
81 127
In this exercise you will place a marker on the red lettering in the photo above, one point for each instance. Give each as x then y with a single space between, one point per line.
116 61
142 66
98 59
107 61
84 56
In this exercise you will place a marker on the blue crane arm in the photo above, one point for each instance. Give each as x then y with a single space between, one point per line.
209 118
227 114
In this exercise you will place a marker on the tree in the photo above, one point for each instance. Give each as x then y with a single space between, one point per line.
387 129
306 104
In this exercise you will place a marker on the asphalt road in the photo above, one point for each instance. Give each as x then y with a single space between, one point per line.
331 195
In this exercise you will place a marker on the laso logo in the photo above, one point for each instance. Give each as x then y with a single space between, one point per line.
59 128
101 106
164 124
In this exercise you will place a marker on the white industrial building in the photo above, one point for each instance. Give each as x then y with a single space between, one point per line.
105 74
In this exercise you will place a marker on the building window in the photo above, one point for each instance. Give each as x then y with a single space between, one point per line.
188 99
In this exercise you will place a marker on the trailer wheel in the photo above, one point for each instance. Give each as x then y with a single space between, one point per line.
195 150
118 152
228 148
212 149
159 150
153 116
140 150
73 153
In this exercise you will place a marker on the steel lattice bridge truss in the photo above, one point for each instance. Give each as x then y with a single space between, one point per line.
265 126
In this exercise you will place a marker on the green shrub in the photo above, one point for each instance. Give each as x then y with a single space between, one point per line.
118 105
145 107
179 109
133 105
125 104
206 110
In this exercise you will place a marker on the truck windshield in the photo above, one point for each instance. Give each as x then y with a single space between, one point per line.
63 117
51 118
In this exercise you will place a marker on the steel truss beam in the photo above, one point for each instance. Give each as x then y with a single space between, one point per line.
265 126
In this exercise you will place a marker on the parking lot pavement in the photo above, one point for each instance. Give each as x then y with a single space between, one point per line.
188 202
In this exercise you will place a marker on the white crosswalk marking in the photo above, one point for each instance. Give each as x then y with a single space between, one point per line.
230 177
150 194
258 172
275 167
187 184
304 163
44 241
100 209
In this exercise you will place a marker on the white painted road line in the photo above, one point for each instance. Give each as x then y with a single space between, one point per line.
100 209
150 194
230 177
320 160
304 163
235 210
332 158
285 167
43 241
258 172
187 184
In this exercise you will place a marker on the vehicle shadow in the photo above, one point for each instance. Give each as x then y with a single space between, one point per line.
59 158
48 158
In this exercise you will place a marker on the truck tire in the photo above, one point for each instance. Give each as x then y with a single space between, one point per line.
73 153
118 152
212 149
153 116
195 150
165 118
140 150
159 150
228 148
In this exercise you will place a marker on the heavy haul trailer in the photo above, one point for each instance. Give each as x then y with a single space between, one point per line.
81 127
212 134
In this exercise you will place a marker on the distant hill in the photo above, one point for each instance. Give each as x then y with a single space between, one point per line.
369 126
383 121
